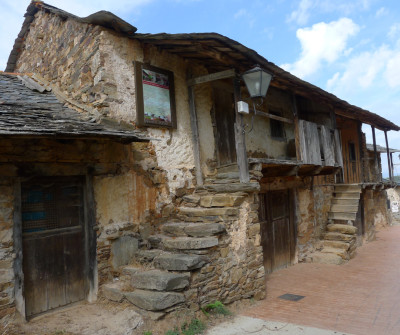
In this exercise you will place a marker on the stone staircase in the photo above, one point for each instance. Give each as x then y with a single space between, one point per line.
344 206
338 246
160 277
340 240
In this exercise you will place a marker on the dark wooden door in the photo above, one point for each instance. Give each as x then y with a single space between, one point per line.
278 235
225 121
54 258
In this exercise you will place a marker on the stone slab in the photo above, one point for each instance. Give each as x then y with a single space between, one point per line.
341 228
153 300
188 243
327 258
189 211
333 236
113 292
179 262
123 250
160 280
147 255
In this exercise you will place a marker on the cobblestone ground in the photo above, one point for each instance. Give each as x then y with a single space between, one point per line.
360 297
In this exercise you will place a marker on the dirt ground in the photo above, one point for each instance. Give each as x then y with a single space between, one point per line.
107 318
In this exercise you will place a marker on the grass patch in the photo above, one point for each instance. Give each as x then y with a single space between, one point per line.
193 328
216 307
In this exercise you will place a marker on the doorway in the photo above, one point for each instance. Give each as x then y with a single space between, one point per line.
53 243
224 110
278 233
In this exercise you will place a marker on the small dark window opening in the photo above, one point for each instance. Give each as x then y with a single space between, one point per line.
352 152
277 127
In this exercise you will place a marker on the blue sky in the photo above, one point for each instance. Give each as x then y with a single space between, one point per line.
349 48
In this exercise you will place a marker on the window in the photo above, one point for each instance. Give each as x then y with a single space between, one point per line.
277 127
352 152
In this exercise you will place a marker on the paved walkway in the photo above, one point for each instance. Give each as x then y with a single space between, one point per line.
360 297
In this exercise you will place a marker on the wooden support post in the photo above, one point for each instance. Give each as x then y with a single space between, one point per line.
240 143
195 136
391 161
375 153
296 129
361 148
91 237
388 156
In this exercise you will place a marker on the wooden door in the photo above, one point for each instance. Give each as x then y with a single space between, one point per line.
54 257
350 131
224 120
277 229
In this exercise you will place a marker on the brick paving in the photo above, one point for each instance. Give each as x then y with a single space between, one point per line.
360 297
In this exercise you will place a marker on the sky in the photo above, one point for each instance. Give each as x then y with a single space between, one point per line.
350 48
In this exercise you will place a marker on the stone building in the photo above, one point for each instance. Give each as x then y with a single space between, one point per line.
128 170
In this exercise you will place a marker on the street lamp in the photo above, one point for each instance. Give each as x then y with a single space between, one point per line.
257 81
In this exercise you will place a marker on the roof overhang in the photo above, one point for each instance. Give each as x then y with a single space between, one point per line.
216 52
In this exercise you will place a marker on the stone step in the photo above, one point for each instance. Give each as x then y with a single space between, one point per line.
179 262
222 200
200 212
147 256
115 291
342 216
327 258
346 202
339 252
347 195
333 236
160 280
129 270
194 229
189 243
348 188
231 188
154 300
228 169
341 228
336 244
344 208
228 175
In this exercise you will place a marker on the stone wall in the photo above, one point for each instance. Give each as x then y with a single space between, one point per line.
376 213
6 246
312 217
393 195
236 269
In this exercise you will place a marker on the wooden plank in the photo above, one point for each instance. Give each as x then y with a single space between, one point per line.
195 136
275 117
338 149
212 77
302 141
327 146
224 114
310 146
296 128
241 152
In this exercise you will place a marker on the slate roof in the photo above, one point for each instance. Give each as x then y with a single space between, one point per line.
27 112
380 149
216 52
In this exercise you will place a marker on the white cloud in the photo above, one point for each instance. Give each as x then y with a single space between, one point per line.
381 12
367 69
302 13
240 13
394 30
323 42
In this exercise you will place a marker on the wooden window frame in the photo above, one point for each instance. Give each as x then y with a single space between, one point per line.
140 100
